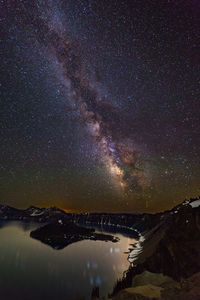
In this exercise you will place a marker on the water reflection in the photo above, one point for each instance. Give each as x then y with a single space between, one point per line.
36 271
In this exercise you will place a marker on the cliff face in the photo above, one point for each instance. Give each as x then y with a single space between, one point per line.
171 247
175 251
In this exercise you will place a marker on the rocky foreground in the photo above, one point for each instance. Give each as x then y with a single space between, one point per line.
153 286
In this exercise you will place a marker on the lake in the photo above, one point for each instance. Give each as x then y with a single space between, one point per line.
31 270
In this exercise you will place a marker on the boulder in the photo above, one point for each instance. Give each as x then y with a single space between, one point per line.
189 289
145 292
157 279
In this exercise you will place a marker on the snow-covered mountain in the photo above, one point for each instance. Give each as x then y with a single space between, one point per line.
31 214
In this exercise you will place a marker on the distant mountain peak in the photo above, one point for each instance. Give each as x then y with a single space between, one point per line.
32 207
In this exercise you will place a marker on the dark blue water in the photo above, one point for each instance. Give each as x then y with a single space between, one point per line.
30 270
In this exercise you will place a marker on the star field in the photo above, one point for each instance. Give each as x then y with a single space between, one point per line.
99 104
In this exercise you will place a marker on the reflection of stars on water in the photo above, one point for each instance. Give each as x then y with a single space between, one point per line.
95 281
114 250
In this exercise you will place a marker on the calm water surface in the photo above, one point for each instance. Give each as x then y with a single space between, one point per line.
30 270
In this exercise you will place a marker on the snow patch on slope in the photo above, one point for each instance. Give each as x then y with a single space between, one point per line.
195 203
136 250
36 213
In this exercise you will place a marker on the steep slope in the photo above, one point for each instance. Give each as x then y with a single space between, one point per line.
171 247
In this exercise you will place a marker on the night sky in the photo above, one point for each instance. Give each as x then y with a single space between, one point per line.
99 104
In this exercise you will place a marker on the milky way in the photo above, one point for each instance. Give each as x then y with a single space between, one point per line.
122 159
